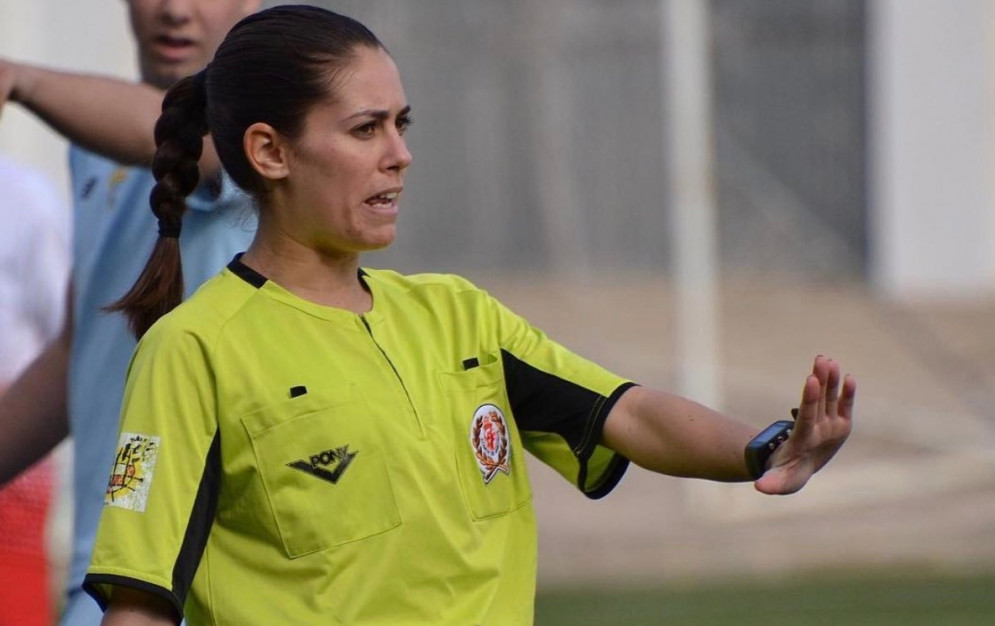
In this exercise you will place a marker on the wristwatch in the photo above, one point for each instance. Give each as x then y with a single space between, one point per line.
760 448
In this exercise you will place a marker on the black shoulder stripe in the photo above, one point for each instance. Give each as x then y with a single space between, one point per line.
199 527
543 402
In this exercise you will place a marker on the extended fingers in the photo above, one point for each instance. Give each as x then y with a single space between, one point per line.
848 397
832 387
808 409
820 369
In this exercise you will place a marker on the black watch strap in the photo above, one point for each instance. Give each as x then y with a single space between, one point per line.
760 448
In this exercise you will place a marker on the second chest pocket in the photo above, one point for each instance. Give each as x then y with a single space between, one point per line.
324 474
490 459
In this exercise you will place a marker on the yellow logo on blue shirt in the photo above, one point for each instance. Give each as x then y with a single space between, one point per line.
113 183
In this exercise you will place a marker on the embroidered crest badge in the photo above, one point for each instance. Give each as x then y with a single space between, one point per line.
490 441
131 476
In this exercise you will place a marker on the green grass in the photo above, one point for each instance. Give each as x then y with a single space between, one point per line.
886 599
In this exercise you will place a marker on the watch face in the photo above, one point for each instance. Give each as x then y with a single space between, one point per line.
775 430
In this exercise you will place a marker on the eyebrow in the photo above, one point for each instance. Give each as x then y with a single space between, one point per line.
379 114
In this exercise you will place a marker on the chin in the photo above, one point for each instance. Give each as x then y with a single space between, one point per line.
382 238
161 78
163 75
379 244
368 245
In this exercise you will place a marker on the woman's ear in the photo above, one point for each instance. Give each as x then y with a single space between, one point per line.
266 150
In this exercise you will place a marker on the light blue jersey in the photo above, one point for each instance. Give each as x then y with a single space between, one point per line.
113 233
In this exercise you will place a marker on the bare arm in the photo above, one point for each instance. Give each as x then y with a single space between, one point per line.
673 435
111 117
130 607
34 416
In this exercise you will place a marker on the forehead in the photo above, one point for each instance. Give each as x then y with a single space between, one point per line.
370 80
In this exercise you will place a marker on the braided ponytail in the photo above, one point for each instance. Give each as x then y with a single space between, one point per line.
272 67
179 138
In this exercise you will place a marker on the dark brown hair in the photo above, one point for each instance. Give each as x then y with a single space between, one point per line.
271 68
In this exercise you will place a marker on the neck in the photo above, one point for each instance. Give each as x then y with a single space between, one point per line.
323 278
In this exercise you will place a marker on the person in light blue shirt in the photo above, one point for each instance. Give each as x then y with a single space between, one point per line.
105 195
75 386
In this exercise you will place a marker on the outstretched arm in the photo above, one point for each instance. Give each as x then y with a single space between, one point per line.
673 435
111 117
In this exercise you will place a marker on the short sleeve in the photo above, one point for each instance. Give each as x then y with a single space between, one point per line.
162 487
560 402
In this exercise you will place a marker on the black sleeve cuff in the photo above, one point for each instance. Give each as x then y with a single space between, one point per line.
98 586
616 468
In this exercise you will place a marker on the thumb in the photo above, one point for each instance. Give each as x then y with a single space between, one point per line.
782 480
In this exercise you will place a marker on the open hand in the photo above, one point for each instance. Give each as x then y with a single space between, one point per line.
824 420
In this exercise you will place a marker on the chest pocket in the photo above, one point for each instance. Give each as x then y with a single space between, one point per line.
323 470
490 459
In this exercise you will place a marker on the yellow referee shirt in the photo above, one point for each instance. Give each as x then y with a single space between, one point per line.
282 462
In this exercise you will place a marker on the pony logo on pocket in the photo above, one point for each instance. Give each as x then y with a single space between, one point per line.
338 459
490 441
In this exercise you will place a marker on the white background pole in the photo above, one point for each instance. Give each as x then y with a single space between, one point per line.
687 106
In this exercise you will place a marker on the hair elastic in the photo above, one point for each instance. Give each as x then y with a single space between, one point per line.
169 231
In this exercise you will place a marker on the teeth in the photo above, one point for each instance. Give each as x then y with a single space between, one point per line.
385 197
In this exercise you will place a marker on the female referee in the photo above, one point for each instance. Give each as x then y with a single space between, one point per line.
308 441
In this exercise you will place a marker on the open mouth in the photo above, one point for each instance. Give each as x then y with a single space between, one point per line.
384 200
170 46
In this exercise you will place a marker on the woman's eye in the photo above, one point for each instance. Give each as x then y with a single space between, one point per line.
367 129
403 124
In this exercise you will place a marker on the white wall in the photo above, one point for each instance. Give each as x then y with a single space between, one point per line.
87 35
932 205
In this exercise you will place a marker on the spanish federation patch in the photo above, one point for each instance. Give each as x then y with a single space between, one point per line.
490 441
131 476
